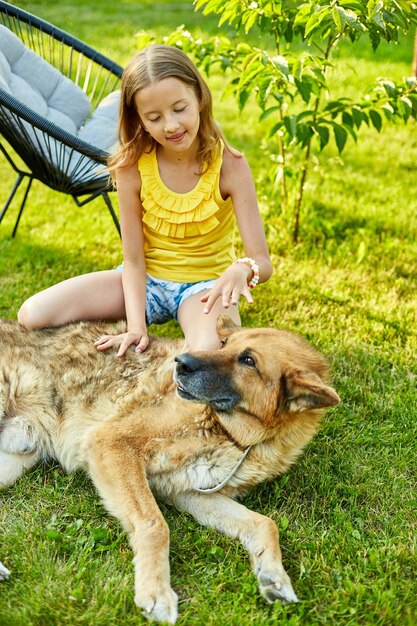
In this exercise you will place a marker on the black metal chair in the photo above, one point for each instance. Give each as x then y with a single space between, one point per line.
44 147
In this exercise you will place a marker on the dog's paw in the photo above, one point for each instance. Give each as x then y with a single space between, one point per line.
275 584
4 572
162 607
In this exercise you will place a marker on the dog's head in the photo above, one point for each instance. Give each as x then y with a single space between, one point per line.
264 374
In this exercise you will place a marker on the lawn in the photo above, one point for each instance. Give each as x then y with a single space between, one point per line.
347 510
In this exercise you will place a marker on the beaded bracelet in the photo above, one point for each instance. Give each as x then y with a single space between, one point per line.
255 270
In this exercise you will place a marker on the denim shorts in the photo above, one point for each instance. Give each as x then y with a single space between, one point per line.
164 297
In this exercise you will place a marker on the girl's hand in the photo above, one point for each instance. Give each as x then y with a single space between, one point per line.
232 284
124 340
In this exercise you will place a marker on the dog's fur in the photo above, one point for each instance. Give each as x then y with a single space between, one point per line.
137 429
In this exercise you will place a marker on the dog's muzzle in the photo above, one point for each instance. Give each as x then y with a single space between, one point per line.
203 381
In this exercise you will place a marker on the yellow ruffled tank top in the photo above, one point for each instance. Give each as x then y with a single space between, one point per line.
188 237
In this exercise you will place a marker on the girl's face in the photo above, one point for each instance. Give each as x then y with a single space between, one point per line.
170 113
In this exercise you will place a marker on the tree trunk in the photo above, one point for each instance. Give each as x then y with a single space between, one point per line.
415 56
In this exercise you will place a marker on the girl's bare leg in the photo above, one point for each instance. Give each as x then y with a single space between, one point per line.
95 296
200 328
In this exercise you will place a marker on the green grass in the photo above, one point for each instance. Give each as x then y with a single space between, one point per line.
347 510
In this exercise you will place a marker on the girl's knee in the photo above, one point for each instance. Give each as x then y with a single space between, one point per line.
28 315
203 344
23 315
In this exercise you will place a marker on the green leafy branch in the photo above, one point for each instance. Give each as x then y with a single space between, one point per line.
290 85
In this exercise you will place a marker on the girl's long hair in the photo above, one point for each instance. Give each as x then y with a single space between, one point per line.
150 65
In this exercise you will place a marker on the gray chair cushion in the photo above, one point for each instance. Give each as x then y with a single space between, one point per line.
101 129
42 88
38 85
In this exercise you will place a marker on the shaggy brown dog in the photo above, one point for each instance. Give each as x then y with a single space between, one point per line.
197 429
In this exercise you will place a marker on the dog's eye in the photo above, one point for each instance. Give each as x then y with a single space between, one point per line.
248 360
223 342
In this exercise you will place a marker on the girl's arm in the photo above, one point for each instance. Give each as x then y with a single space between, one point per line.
237 182
134 267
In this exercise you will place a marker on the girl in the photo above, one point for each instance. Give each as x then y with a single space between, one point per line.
179 188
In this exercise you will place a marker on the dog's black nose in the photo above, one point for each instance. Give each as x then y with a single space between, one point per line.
187 363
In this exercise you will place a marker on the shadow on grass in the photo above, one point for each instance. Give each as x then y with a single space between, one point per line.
27 268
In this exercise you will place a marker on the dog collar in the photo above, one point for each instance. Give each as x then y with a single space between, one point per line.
228 477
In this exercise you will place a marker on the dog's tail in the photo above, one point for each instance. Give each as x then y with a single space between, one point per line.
4 572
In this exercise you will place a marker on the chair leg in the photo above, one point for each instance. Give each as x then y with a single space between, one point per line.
11 196
110 207
22 206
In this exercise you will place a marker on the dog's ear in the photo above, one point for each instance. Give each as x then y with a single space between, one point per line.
305 390
226 326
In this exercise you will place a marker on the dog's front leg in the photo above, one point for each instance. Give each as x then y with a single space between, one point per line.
117 468
257 533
